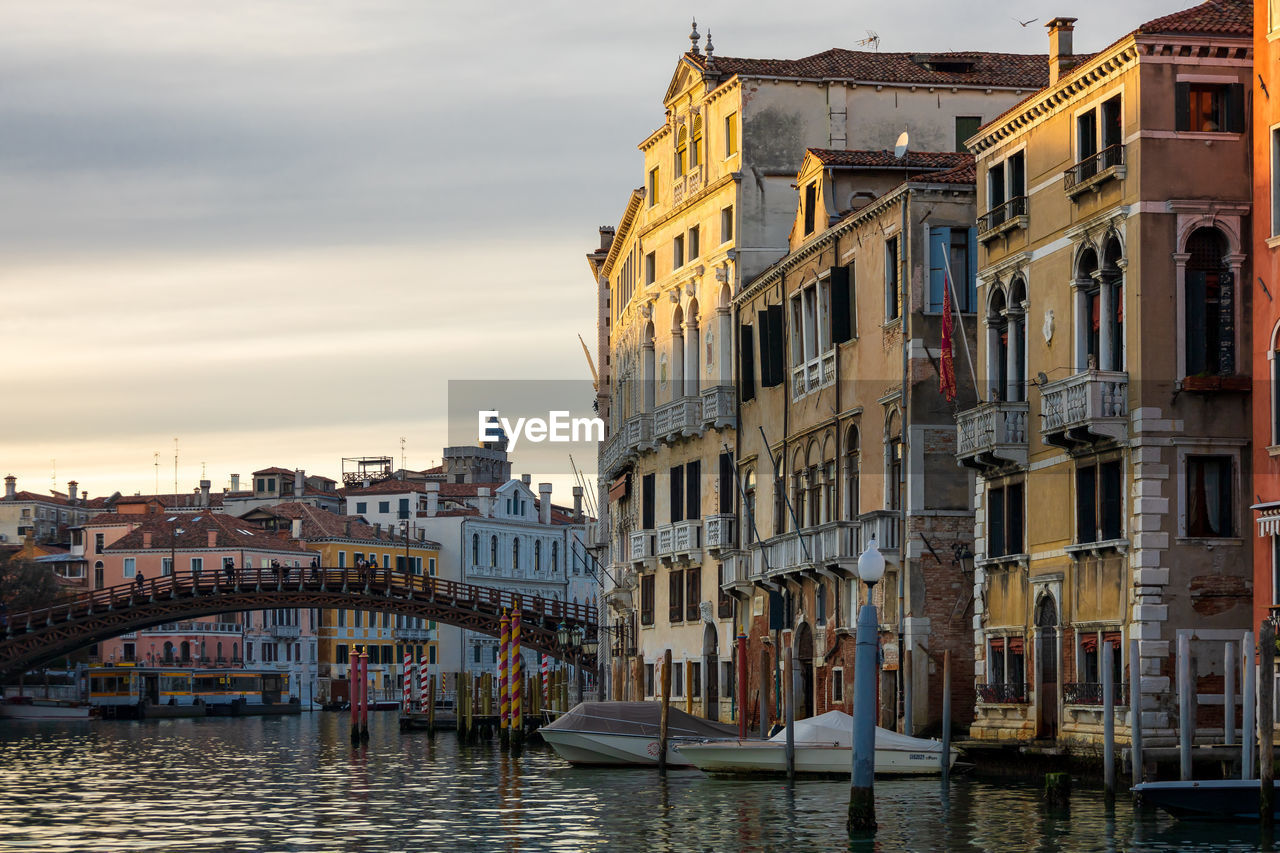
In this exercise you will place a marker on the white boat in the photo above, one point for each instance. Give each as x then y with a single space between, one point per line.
33 708
626 733
823 745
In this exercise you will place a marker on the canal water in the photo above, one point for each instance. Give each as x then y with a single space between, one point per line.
296 784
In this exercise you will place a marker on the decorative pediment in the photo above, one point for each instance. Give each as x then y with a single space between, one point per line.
687 75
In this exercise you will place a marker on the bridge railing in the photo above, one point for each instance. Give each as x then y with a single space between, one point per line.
301 578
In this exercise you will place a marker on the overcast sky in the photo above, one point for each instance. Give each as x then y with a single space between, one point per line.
274 230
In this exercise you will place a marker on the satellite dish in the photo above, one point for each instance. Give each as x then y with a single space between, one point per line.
900 149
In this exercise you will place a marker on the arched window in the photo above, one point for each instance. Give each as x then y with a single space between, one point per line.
814 476
235 652
749 505
695 146
493 550
682 151
537 555
893 462
852 461
779 499
1112 307
1210 306
828 481
997 345
475 549
555 556
515 553
168 652
1088 311
799 488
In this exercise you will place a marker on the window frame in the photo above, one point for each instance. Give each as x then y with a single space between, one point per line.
892 285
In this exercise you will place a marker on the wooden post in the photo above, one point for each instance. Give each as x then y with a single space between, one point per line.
353 693
431 709
742 684
764 693
517 681
1266 723
504 682
617 679
666 710
1108 721
946 716
1229 693
1248 732
1135 714
1186 726
688 688
789 697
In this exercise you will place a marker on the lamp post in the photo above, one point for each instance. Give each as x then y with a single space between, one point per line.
862 806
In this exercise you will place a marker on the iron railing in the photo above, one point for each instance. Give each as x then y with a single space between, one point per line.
1002 213
1090 167
1090 693
1003 693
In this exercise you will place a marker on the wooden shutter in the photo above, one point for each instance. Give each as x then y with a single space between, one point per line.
777 347
647 494
728 488
841 306
766 361
747 364
677 494
1182 106
693 489
939 247
1235 108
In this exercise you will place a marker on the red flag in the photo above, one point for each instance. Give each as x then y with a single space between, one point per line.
947 375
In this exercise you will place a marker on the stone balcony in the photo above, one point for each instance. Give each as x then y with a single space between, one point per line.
831 549
718 532
635 435
679 541
681 418
744 570
885 526
1088 407
641 547
993 435
719 407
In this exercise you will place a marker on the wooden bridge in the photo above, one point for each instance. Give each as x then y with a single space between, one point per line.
30 638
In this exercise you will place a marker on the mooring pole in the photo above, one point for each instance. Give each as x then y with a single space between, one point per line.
765 674
1248 731
1135 714
1229 693
353 694
431 709
1186 725
742 685
504 672
666 711
364 695
515 673
1266 723
862 804
788 696
1108 721
946 716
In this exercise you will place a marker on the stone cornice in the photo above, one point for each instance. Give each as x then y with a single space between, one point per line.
624 226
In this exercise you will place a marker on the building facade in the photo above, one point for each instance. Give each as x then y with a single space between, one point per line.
1112 436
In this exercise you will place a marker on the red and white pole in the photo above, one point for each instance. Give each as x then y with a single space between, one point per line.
364 695
423 687
406 704
353 693
546 680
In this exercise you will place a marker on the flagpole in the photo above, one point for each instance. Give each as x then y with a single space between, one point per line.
955 307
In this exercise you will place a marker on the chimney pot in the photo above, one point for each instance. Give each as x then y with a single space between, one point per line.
577 503
146 539
527 479
213 539
433 498
10 487
295 528
544 503
235 482
299 481
204 492
72 491
1061 59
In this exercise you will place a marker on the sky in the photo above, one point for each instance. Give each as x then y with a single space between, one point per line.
275 231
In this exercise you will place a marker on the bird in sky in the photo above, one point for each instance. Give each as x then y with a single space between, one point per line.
1024 24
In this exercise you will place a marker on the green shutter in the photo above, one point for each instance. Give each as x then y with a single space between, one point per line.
939 243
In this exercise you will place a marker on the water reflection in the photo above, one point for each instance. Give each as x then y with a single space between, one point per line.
297 784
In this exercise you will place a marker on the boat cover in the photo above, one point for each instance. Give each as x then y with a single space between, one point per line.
637 718
836 727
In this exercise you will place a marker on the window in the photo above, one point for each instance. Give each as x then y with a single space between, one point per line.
493 550
646 599
749 507
730 135
515 553
650 268
361 507
1005 520
837 684
166 566
648 680
1275 177
475 549
1209 503
475 653
953 259
1099 502
1210 306
726 224
1098 139
653 186
692 593
342 618
820 604
810 202
648 493
694 235
555 556
537 555
130 567
677 679
677 251
747 363
693 490
966 127
695 143
675 596
1209 107
893 460
197 565
676 494
384 506
892 296
769 327
682 151
98 541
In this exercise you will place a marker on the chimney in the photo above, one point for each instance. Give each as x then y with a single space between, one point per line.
577 503
377 530
544 503
299 481
146 539
235 482
433 499
10 487
204 492
213 539
73 488
527 479
606 238
1061 59
84 495
485 502
295 528
346 528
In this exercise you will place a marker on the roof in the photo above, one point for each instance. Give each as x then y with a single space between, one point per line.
189 532
61 500
1009 70
276 469
322 524
184 500
966 173
1213 17
888 160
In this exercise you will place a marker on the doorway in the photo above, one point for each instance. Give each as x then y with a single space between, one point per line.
1046 667
804 664
710 673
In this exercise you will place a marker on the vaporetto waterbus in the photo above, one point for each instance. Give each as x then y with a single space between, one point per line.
123 691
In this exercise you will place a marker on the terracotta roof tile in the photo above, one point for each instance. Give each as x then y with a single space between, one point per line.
194 534
1013 70
887 159
1213 17
963 174
321 524
275 469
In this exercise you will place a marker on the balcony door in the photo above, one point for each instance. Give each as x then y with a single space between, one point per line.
1046 686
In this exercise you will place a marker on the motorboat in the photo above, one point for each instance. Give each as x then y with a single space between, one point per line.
35 708
626 733
823 746
1208 799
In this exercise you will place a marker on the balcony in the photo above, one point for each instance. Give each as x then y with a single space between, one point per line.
719 403
195 628
286 631
885 526
1090 693
611 453
681 418
836 545
992 435
1092 172
639 432
815 373
1003 218
641 550
679 541
742 571
1003 694
1090 406
718 532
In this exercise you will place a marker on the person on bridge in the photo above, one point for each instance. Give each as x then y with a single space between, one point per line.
229 568
315 568
139 580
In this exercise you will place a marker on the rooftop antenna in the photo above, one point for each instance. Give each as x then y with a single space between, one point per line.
872 39
156 456
175 465
402 457
900 149
53 475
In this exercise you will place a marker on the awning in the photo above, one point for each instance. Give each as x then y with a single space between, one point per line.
997 644
1015 645
1089 642
1113 637
620 487
1268 518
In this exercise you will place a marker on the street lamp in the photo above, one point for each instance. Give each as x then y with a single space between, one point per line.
562 635
862 806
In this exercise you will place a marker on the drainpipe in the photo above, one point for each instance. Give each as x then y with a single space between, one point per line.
903 542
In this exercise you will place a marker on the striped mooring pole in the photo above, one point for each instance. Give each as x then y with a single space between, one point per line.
504 672
546 681
406 704
515 675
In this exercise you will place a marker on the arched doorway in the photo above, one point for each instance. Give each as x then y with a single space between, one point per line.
1046 667
804 666
710 673
168 652
186 651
